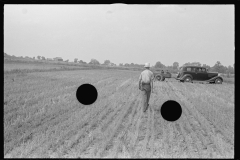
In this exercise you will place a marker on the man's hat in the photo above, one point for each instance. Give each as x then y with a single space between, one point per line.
147 65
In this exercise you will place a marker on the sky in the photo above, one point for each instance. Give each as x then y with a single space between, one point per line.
122 33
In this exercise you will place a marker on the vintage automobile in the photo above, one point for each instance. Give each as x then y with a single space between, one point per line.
196 73
160 75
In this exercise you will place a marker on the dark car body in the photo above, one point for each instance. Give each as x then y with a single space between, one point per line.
197 73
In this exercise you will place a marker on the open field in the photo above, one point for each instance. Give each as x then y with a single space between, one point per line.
42 117
19 66
36 67
39 66
25 65
22 66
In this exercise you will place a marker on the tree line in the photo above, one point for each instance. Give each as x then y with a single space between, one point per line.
217 67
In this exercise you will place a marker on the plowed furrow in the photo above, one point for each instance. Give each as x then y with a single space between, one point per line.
142 131
131 130
85 131
21 138
40 122
117 128
209 129
148 134
127 136
84 141
83 124
104 124
159 135
80 128
150 145
188 147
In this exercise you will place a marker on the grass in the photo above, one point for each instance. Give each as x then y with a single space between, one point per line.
42 116
229 80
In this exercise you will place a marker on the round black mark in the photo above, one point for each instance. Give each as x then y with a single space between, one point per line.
171 110
87 94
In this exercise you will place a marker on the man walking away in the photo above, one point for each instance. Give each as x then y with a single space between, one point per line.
146 85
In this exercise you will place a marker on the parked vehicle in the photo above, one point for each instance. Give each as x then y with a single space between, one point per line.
196 73
160 75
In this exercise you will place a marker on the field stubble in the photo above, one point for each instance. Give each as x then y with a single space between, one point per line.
42 117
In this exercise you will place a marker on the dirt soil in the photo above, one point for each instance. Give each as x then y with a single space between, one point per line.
42 117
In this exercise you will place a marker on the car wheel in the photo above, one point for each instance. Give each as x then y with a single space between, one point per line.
218 81
163 78
158 78
188 79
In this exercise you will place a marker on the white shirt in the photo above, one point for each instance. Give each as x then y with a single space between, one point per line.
146 76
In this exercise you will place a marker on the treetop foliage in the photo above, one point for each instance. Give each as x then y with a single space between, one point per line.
218 67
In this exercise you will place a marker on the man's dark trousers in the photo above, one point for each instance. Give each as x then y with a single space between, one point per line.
146 92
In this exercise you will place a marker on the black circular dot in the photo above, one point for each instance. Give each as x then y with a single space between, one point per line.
171 110
87 94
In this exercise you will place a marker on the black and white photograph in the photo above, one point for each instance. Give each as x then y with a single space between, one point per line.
119 80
